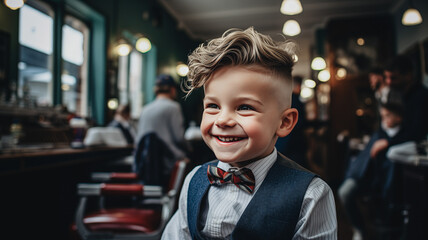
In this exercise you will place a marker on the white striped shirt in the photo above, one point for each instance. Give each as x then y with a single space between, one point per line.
226 203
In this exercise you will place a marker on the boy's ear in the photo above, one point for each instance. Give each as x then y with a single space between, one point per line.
288 121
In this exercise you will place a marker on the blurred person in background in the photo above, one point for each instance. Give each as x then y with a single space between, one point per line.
161 131
409 91
372 176
122 121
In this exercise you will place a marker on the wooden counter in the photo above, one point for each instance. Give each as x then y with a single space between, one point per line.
38 187
31 159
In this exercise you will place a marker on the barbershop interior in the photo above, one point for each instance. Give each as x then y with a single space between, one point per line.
98 130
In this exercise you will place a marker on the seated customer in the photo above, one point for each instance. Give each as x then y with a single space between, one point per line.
371 174
408 90
121 120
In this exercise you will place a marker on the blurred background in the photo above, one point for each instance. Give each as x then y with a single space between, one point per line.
82 59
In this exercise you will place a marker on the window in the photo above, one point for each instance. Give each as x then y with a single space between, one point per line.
130 78
74 82
35 83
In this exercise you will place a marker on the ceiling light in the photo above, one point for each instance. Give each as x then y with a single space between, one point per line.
65 87
341 73
182 69
309 83
14 4
291 28
359 112
411 17
361 41
306 93
143 45
291 7
318 63
324 75
113 103
123 48
323 99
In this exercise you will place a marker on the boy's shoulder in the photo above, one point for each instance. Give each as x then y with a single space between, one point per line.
287 162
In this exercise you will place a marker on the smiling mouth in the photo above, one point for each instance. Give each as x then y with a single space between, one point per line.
229 139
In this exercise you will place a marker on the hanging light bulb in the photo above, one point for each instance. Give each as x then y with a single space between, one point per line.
411 17
341 73
324 75
291 28
143 45
123 48
318 63
291 7
306 93
14 4
361 41
310 83
113 103
182 69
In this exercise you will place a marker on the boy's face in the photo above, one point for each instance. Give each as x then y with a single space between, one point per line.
242 114
389 118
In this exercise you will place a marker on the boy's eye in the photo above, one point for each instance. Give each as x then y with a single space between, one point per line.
245 107
212 105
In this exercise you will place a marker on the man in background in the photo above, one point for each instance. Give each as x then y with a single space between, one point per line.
162 121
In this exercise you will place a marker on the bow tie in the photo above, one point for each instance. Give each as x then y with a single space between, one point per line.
243 178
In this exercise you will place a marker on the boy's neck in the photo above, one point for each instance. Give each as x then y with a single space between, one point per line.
247 162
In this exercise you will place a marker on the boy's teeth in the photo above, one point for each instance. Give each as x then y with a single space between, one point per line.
229 139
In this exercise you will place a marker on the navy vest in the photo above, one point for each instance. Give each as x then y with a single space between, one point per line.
273 211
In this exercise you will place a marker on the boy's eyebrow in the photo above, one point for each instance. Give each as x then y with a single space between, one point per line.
208 97
250 99
242 98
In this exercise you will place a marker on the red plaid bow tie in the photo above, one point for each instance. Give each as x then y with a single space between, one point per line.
243 178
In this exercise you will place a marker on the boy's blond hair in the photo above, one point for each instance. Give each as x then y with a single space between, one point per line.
240 48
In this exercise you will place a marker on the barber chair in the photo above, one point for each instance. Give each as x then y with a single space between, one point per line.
145 221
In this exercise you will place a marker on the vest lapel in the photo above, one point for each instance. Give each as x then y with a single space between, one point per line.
198 188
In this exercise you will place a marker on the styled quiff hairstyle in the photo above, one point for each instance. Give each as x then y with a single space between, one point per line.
239 48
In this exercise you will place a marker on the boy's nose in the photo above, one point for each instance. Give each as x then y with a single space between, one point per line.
225 119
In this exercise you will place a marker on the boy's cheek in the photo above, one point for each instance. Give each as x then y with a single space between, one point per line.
254 129
206 124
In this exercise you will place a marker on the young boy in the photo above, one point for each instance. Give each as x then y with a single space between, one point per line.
247 82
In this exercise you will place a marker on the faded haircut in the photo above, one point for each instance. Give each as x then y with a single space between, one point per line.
238 47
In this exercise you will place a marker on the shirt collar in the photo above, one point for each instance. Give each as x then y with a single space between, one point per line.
259 168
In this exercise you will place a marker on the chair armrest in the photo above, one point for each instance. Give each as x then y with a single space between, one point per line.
98 189
111 176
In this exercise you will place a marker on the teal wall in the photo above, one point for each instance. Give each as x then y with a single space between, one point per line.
172 45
